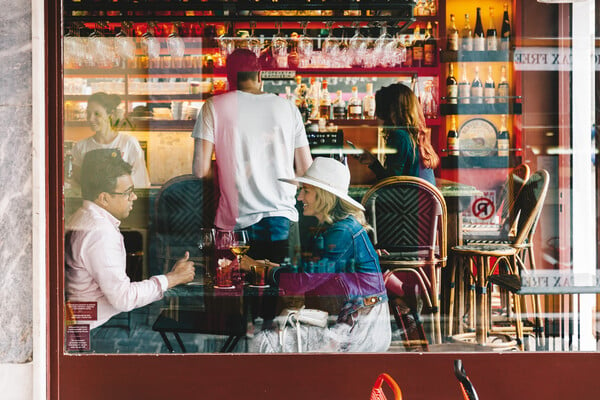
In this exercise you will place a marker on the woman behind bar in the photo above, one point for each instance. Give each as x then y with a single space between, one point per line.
397 107
104 117
344 267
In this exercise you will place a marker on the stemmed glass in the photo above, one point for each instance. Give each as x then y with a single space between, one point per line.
305 47
206 245
254 44
382 51
124 46
279 46
331 47
357 47
176 47
240 244
151 46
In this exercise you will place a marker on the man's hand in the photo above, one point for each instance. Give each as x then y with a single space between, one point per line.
183 271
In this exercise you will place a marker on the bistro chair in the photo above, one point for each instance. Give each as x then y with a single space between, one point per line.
477 259
408 216
485 233
184 205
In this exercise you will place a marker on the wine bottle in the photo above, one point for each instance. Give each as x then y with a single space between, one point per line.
451 86
503 141
478 37
452 38
489 91
491 34
505 30
339 106
408 62
503 88
464 87
325 102
417 48
429 47
476 88
466 36
354 105
452 139
414 86
368 103
313 97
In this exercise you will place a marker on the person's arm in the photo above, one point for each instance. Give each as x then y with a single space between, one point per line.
139 171
302 159
183 271
203 150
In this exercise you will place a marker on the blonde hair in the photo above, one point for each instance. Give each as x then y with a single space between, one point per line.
333 209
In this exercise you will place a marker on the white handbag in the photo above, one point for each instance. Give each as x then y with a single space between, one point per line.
295 318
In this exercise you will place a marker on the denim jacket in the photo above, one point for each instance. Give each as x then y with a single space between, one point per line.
345 243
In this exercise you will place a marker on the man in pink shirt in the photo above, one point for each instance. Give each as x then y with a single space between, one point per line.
95 254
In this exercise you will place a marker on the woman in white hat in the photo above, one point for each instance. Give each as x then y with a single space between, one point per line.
344 265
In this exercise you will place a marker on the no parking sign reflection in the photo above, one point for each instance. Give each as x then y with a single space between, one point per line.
482 208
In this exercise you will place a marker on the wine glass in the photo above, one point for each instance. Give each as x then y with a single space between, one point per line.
279 47
152 48
240 244
357 47
254 43
176 47
331 47
124 46
305 47
206 245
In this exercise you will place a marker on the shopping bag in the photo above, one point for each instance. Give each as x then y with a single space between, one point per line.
377 392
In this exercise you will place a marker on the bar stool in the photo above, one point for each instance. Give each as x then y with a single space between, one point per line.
477 258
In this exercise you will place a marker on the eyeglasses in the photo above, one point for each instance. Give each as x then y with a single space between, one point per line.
128 193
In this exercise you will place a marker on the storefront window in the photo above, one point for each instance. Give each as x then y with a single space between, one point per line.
180 236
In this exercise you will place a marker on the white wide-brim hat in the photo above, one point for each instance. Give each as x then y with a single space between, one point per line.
330 175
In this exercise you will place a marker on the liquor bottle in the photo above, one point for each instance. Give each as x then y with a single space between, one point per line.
429 47
288 94
408 62
464 87
503 88
466 36
489 91
368 103
354 105
419 9
491 34
414 86
339 106
452 139
476 88
312 98
325 102
300 91
478 37
451 86
505 30
503 142
432 7
452 38
417 48
428 102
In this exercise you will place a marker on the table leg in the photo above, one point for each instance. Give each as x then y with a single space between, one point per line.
183 349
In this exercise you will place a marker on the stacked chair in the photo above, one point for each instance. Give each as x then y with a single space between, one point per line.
408 216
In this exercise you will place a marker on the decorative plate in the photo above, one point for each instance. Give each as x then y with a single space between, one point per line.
477 137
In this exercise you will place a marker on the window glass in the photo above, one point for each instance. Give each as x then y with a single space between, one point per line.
448 205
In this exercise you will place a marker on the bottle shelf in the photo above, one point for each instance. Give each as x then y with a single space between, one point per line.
148 97
146 125
496 108
142 72
454 162
476 56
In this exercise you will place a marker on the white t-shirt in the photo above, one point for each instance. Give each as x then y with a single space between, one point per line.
255 136
131 151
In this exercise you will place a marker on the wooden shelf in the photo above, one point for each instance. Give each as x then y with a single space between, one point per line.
476 56
478 109
454 162
146 125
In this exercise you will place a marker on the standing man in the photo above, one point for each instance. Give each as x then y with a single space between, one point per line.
257 138
95 254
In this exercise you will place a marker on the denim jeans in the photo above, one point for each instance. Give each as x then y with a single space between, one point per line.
273 238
